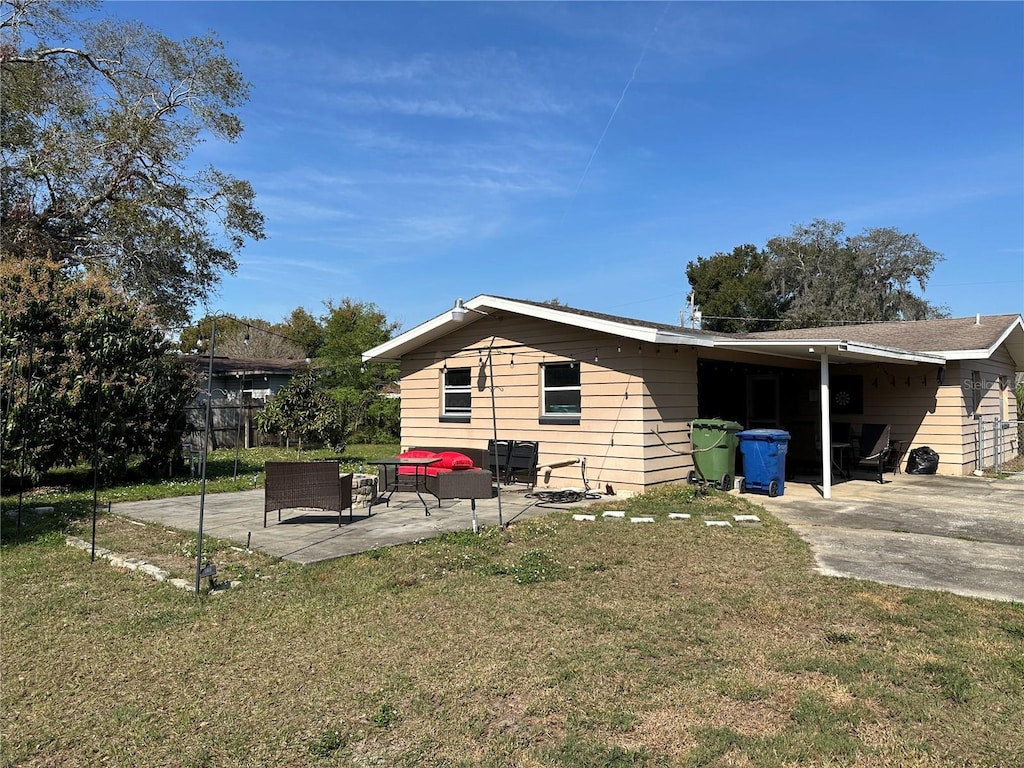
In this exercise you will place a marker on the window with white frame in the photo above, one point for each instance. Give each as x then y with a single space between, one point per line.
458 394
562 394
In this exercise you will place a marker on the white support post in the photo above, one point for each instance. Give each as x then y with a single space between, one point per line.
826 430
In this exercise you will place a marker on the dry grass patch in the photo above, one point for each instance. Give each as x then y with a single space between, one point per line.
175 551
547 644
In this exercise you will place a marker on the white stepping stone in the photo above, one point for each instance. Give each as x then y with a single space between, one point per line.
641 519
678 516
614 513
718 523
584 518
747 519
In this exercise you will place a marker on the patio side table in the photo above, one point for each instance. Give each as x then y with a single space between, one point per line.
418 478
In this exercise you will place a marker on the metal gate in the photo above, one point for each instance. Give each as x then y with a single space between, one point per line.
993 447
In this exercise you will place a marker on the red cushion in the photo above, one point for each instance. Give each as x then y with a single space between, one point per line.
454 460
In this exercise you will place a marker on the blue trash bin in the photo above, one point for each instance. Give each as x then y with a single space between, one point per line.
764 460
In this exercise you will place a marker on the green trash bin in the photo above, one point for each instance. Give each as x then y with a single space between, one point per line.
714 444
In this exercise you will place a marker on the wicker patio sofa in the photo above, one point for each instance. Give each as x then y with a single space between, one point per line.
459 483
312 484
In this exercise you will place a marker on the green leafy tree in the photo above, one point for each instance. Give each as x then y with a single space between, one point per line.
822 277
815 276
350 329
305 409
305 331
733 292
83 366
98 121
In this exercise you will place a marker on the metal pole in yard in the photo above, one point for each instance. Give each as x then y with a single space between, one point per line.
995 444
978 448
494 422
238 426
96 445
206 443
24 432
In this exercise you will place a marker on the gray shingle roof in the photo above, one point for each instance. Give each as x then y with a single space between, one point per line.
943 335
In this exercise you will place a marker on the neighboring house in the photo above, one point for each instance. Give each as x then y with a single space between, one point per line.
240 387
622 392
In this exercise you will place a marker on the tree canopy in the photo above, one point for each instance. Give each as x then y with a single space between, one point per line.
82 366
243 337
350 328
732 290
302 407
98 123
816 276
357 397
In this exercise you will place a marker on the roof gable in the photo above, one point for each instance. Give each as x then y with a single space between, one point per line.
483 305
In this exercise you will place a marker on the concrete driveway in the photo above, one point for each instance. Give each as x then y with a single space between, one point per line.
961 534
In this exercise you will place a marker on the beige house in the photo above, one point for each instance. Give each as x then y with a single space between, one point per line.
622 393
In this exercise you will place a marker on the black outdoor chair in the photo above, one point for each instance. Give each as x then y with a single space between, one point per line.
522 462
872 448
516 461
497 459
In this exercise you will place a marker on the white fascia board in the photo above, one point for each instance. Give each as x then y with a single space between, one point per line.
833 346
394 348
483 305
892 353
601 325
968 354
983 354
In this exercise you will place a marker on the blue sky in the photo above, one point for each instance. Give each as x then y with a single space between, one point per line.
410 154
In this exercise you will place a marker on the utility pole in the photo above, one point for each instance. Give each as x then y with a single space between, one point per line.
695 314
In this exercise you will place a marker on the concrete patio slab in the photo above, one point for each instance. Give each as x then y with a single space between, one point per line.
960 534
311 535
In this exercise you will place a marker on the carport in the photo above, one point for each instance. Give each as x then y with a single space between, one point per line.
827 352
959 534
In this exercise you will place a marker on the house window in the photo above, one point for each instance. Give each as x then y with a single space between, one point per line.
561 393
458 395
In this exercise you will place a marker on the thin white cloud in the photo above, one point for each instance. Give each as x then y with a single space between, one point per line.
276 207
414 106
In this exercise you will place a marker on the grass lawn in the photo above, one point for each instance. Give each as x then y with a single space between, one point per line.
552 643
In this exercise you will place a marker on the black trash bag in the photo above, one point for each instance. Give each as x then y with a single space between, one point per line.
922 461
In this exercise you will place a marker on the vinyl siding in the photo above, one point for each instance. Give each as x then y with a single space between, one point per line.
919 410
630 388
638 400
997 401
922 413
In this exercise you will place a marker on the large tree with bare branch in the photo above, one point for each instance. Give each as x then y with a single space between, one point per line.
97 124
